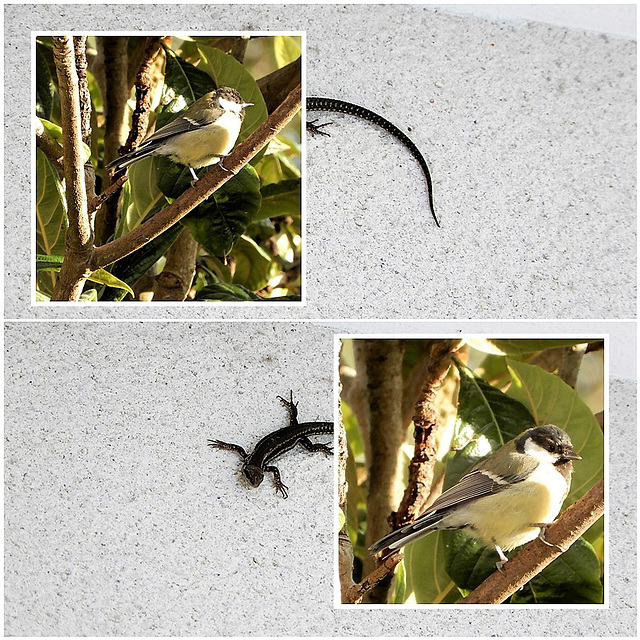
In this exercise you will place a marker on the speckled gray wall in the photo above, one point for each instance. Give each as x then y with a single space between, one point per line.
529 130
120 521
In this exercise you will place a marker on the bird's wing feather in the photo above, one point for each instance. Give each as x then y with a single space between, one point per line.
181 124
476 484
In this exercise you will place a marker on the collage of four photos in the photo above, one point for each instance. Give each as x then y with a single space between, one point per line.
322 321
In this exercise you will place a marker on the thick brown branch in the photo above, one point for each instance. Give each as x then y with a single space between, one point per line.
536 556
384 385
570 364
79 236
193 196
80 46
115 107
275 86
174 281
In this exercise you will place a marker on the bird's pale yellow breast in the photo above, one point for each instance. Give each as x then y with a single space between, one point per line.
217 138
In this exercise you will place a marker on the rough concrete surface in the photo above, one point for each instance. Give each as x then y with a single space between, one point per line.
529 129
119 520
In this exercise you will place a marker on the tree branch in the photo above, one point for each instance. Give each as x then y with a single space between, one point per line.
174 281
79 235
140 116
193 196
526 564
425 421
380 574
48 145
570 364
384 374
276 85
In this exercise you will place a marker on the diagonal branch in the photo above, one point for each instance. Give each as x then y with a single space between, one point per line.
526 564
192 197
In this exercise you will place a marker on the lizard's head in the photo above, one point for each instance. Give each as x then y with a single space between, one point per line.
253 473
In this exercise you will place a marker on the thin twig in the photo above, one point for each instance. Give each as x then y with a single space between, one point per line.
107 193
378 575
425 422
536 556
48 145
140 116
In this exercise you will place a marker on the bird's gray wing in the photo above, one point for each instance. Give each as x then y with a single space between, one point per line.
476 484
183 123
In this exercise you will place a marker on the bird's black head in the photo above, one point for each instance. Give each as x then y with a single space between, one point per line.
548 443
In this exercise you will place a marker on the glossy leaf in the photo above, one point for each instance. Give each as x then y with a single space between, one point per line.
224 292
286 49
280 199
252 264
51 216
218 223
551 401
141 196
101 276
519 347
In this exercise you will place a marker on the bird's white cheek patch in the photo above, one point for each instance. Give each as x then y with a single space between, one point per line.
229 105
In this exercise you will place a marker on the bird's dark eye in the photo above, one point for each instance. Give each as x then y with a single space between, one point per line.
551 446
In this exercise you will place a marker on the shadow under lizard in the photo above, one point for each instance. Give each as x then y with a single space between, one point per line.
340 106
275 444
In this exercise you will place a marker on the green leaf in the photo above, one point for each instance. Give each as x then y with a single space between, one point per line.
252 264
183 85
286 49
48 263
51 217
280 199
426 578
551 401
224 292
518 347
572 578
101 276
218 223
341 519
141 197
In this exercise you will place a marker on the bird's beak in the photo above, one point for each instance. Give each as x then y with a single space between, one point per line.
247 104
572 455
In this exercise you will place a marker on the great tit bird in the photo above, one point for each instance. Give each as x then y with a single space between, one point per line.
505 500
199 136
